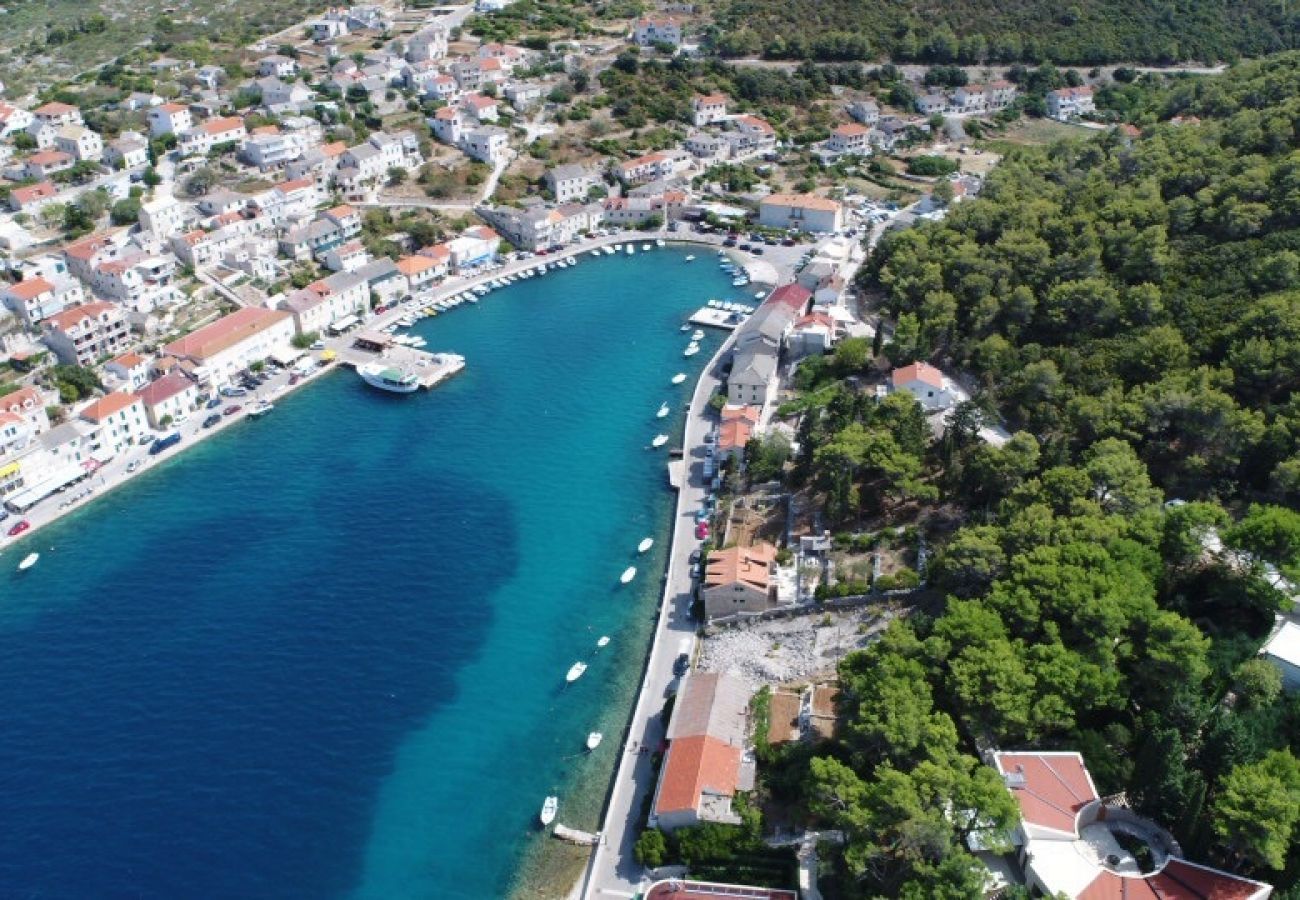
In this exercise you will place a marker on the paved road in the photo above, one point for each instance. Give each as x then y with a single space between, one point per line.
613 871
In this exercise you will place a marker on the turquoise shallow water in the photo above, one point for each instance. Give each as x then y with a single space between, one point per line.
323 654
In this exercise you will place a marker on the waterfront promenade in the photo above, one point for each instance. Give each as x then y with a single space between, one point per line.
115 472
613 870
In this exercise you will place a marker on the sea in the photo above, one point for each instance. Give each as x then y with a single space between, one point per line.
322 654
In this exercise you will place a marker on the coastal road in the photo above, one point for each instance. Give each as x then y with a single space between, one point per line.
613 870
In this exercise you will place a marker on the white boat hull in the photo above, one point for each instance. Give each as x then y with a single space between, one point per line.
594 739
645 545
628 574
28 561
575 672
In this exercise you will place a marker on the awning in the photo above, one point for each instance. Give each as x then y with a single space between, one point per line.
345 323
286 358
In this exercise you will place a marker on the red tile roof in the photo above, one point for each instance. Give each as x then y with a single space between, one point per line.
71 318
30 289
705 890
1051 788
695 765
226 332
164 388
38 191
918 371
54 108
748 565
23 398
793 295
106 406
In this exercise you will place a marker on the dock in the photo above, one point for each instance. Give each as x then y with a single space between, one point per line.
716 318
430 369
574 836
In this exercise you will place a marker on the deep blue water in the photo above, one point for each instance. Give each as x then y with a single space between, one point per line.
322 654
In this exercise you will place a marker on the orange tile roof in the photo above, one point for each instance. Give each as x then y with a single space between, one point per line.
746 413
128 360
23 398
48 157
87 247
1055 787
222 125
106 406
802 201
341 210
734 435
335 149
918 371
164 388
696 765
710 99
851 129
37 191
748 565
173 107
298 184
71 318
226 332
414 265
30 289
266 129
439 252
54 108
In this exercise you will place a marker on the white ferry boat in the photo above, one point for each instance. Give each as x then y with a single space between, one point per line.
388 378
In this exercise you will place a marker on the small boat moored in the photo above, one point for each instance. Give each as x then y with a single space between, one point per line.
28 561
603 641
659 441
594 739
628 574
691 349
679 378
663 411
690 258
550 806
575 671
645 545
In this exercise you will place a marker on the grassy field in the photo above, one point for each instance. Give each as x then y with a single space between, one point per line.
1036 133
43 41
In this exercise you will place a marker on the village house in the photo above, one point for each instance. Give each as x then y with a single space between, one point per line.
801 212
812 335
279 96
82 335
44 163
212 133
163 217
79 142
421 274
864 112
569 183
120 422
130 369
13 119
657 30
210 76
31 198
130 151
169 399
277 65
481 107
704 766
1282 649
35 299
850 140
971 99
738 580
488 144
523 95
1070 103
55 115
429 43
1067 841
333 24
707 109
169 118
931 388
231 343
735 430
328 303
28 404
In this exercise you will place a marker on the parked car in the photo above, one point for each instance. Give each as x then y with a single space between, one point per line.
702 531
19 527
211 420
295 378
214 403
232 409
682 664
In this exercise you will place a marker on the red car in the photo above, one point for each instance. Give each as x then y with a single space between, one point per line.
232 409
702 531
19 527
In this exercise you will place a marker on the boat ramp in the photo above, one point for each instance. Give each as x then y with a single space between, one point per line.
430 369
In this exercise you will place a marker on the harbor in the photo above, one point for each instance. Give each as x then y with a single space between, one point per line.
377 349
465 544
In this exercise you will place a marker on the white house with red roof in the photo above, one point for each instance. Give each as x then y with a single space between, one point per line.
168 398
704 766
1067 840
130 369
28 404
32 198
801 212
83 334
120 421
169 118
931 388
56 115
708 108
13 119
212 133
850 139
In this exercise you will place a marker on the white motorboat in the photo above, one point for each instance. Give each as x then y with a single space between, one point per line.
261 409
646 544
645 248
690 258
663 411
550 806
630 249
388 378
628 574
697 335
28 561
691 349
603 641
594 739
575 672
610 251
595 253
659 242
659 441
679 378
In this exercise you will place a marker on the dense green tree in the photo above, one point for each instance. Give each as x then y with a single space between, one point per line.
1257 808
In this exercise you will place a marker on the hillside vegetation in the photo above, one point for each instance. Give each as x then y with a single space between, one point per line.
1083 32
1130 308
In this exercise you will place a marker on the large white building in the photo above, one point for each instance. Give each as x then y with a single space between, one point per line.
801 212
233 342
